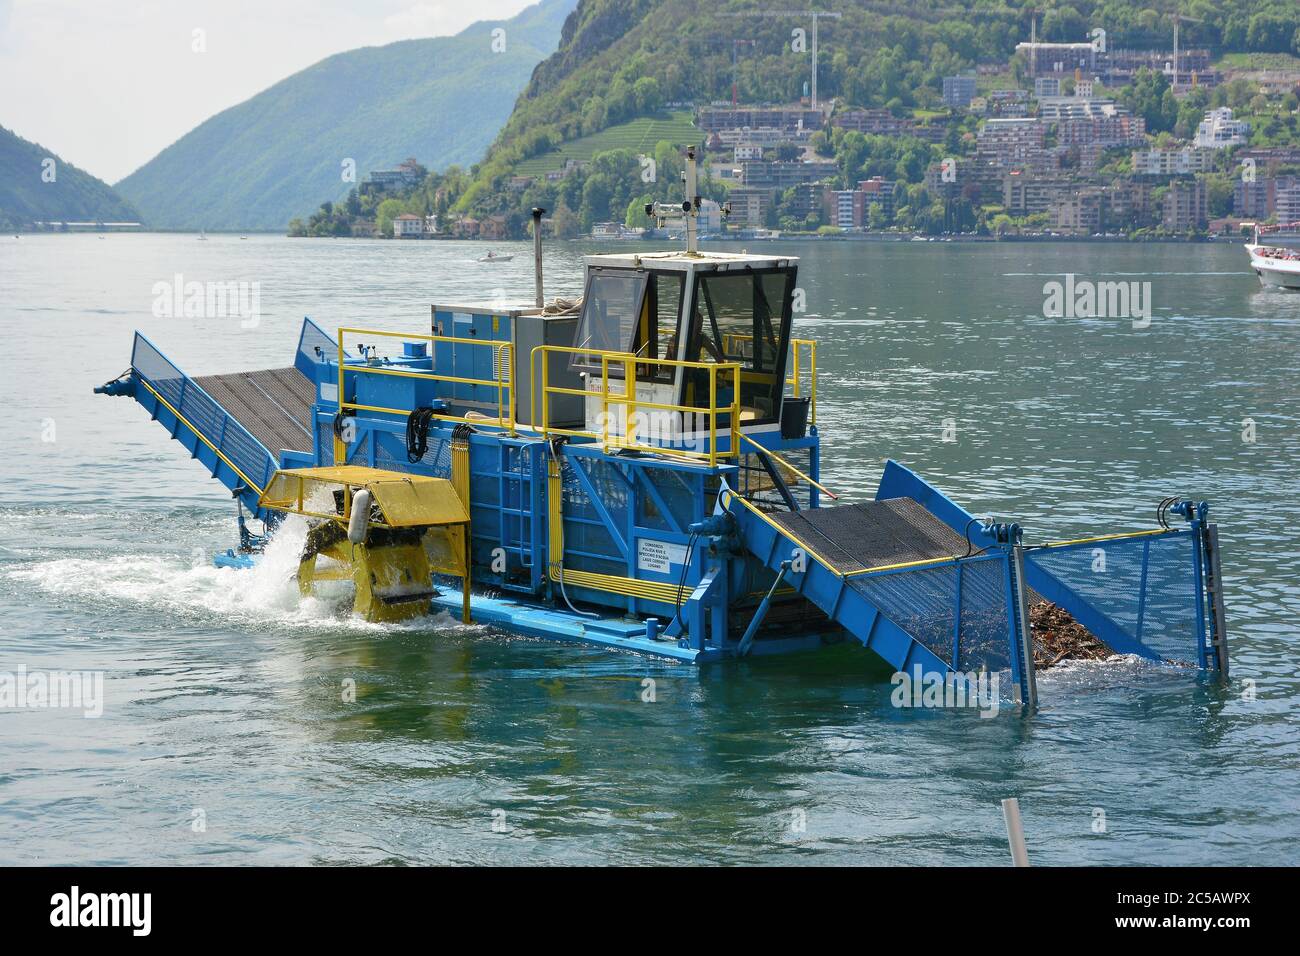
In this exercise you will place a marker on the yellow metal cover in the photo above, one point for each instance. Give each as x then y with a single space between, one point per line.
405 500
429 501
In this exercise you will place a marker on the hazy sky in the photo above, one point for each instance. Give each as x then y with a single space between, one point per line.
106 84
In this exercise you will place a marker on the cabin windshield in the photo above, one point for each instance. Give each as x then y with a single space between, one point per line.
742 317
630 311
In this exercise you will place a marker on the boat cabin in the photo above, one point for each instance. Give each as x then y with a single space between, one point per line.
709 331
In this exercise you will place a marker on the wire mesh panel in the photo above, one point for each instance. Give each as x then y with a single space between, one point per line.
986 634
951 607
584 528
1144 587
675 493
209 419
922 602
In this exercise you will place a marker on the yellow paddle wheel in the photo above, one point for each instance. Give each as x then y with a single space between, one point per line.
387 532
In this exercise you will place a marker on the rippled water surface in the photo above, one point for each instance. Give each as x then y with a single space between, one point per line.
223 700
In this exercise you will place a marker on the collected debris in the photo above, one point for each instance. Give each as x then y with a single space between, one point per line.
1059 637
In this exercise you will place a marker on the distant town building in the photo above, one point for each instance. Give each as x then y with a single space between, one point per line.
779 175
807 199
851 208
1007 103
407 174
787 118
1107 130
710 216
878 190
1078 213
844 208
877 122
1287 203
407 226
1271 156
1267 197
1047 86
747 151
1172 162
1219 129
1058 58
1024 194
1009 142
761 136
749 206
1186 207
958 91
1052 108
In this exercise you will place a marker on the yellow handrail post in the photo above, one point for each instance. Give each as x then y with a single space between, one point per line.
629 409
713 415
812 404
340 450
735 412
546 392
604 402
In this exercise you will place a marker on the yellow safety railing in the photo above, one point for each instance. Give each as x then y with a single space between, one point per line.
502 382
628 401
796 378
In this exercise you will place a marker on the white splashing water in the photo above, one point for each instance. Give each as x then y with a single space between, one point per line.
266 593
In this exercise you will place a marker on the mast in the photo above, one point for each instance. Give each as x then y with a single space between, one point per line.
689 209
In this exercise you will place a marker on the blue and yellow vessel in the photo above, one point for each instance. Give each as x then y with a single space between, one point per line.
641 470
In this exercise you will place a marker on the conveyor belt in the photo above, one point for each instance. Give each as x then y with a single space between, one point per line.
273 404
870 535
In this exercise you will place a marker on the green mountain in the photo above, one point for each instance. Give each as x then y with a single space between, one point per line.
37 185
623 59
279 154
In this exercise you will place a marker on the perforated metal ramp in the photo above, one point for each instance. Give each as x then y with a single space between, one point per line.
860 536
954 611
273 404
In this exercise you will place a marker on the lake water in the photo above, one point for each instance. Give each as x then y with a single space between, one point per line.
225 738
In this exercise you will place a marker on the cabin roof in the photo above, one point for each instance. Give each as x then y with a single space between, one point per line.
678 259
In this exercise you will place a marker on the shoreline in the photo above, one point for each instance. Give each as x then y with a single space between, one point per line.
783 237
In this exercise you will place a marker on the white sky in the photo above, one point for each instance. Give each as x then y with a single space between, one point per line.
106 84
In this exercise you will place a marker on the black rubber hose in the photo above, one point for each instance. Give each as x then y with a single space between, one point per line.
417 434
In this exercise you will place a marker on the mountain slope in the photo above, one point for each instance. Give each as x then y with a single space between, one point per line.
26 196
620 59
277 155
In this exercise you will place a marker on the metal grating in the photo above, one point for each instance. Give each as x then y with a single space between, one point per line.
274 405
860 536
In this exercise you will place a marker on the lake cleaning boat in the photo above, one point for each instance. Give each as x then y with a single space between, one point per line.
641 470
1277 264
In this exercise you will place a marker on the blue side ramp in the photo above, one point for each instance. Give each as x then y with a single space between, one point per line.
238 426
900 581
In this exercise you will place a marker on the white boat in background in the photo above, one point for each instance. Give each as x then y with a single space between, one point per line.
1277 266
493 257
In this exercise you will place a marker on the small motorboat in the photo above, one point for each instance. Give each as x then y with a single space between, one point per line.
494 257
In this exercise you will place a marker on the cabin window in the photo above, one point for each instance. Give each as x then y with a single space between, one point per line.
636 312
656 333
611 310
742 317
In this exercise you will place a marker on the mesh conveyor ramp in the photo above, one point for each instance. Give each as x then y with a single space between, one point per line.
898 579
235 425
